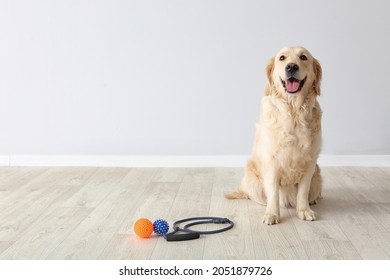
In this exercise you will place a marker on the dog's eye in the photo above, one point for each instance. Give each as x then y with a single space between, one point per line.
303 57
282 57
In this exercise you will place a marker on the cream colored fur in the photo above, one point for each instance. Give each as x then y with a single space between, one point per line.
283 170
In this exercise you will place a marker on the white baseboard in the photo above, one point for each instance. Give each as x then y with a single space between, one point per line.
354 160
4 160
129 161
176 161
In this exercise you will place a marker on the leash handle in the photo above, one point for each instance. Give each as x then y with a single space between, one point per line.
189 234
182 237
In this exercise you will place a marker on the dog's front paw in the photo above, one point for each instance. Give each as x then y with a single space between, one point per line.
306 215
270 219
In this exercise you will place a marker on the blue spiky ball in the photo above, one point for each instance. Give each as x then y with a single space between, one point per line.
161 227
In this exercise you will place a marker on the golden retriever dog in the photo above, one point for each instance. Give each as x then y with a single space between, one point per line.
283 170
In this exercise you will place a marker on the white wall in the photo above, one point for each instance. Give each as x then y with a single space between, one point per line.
183 77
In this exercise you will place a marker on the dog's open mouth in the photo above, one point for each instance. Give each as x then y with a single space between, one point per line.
293 85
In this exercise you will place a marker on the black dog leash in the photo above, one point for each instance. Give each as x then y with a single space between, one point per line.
189 234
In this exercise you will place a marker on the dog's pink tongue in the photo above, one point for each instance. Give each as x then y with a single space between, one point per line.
292 86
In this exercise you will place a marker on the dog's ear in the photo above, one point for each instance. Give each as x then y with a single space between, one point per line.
318 76
268 71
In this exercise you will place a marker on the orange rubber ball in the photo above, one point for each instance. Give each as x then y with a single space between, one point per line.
143 227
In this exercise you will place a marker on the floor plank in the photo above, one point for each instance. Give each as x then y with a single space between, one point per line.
29 201
46 234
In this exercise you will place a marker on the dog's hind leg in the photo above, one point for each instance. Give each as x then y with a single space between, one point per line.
251 185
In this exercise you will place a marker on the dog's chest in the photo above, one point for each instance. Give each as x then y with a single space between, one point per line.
294 135
289 139
293 153
289 129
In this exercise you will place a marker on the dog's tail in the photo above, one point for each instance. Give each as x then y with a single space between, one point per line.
237 194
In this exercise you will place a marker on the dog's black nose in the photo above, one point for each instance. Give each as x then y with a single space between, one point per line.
292 68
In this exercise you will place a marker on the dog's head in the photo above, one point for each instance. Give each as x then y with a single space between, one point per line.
294 71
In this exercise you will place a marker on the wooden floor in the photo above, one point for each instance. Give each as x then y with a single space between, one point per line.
88 213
